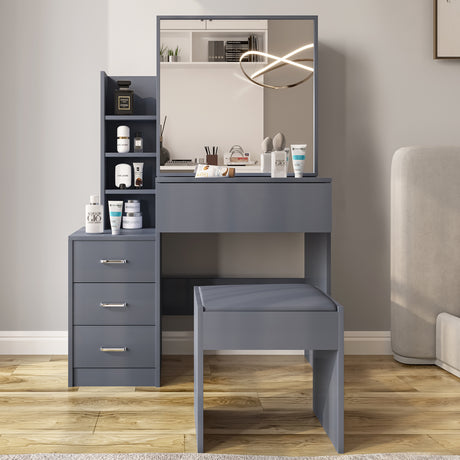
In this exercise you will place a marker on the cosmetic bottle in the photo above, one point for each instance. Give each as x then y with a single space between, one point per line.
124 98
123 139
94 221
279 164
138 142
123 175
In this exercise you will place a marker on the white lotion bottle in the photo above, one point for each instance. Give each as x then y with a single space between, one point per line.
94 216
123 139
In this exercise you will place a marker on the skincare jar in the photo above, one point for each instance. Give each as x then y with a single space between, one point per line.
132 220
133 206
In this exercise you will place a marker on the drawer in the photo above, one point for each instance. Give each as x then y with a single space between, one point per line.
115 377
138 343
99 304
114 261
303 207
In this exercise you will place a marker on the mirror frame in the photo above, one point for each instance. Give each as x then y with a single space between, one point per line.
313 18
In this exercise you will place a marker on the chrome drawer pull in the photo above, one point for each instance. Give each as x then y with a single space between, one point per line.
118 350
113 261
113 305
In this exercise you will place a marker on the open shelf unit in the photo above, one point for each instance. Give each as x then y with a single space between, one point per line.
192 39
143 119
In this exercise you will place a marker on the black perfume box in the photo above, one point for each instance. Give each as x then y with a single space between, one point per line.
124 98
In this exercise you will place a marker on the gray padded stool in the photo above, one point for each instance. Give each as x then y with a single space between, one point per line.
275 317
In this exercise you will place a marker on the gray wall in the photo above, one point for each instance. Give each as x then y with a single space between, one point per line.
51 55
379 90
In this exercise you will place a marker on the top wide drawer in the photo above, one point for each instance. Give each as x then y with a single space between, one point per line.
113 261
233 206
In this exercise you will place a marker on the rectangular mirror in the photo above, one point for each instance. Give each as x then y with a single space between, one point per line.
230 82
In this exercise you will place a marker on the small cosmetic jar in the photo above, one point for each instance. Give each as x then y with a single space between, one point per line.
133 206
132 220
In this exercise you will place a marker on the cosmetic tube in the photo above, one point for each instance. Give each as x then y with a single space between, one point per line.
298 152
115 210
138 174
214 171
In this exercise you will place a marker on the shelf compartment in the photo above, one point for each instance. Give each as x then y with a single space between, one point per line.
146 198
130 155
146 126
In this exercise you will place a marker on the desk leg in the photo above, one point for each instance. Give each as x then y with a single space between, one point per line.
328 389
317 267
318 260
198 374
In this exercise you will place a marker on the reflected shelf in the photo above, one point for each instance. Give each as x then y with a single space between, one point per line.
209 64
130 155
130 117
129 191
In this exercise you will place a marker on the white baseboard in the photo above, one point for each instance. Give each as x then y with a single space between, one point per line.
33 342
368 343
180 343
356 343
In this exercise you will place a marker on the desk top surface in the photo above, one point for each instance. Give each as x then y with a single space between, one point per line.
243 179
125 235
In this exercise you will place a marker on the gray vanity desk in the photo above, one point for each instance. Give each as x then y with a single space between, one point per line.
114 280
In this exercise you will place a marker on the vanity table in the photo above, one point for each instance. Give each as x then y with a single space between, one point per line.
115 282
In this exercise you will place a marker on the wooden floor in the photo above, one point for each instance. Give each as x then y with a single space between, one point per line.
254 405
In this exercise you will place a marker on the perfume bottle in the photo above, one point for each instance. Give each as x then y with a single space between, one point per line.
124 98
138 142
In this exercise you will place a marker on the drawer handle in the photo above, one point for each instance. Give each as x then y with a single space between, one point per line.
116 349
113 305
113 261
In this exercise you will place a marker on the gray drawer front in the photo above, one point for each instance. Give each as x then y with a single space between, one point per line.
244 207
138 340
139 256
114 377
139 299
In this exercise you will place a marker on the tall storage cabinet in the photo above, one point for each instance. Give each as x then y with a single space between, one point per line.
143 119
114 317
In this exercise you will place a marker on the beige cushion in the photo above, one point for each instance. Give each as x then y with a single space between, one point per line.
425 245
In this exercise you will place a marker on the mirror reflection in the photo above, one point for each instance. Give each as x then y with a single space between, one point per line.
228 84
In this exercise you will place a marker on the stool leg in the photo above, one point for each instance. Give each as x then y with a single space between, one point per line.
198 377
308 355
328 390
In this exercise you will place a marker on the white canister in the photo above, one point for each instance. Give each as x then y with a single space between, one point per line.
123 175
132 220
265 162
132 206
123 139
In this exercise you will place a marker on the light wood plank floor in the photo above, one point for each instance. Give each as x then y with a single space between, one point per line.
254 405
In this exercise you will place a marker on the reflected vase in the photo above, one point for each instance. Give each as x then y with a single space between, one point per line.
164 154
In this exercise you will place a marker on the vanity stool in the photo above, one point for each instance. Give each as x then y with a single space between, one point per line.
275 317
